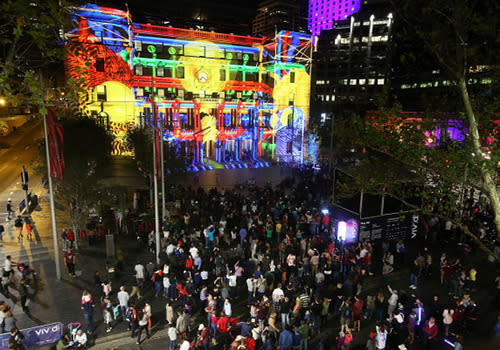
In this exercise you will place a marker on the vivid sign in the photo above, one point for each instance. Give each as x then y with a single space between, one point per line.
36 336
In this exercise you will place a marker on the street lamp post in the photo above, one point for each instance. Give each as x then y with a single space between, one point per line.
52 205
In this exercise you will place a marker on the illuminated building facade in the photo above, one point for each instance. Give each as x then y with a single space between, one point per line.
322 14
224 99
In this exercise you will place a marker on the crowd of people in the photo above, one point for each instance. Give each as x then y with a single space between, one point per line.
261 268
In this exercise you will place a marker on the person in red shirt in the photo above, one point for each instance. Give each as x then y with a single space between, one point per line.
71 238
431 331
203 337
223 330
70 259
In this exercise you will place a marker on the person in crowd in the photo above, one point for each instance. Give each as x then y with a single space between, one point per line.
88 306
80 340
16 339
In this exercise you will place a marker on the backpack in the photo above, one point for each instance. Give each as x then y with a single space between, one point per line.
130 315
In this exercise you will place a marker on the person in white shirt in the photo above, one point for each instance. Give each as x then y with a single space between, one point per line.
227 308
204 276
363 253
166 285
80 339
193 251
139 274
277 294
172 334
123 299
170 249
251 284
381 338
7 266
185 345
393 301
143 325
232 281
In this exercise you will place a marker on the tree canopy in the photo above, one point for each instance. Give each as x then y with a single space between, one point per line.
460 35
29 42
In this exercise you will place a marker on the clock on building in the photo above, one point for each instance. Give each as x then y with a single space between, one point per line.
202 76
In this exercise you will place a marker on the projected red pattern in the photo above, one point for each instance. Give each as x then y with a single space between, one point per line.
82 58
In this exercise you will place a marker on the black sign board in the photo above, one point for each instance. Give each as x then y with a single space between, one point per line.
389 227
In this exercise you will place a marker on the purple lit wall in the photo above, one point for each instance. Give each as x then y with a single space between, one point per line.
322 13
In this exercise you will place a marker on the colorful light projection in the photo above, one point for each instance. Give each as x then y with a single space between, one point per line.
347 231
444 130
212 90
323 13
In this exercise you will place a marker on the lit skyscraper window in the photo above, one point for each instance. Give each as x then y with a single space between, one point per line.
322 13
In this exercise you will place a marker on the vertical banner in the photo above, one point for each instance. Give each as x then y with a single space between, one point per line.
56 144
158 160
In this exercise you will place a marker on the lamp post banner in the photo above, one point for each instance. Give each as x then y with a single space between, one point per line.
36 336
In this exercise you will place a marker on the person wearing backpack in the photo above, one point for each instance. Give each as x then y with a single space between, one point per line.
18 224
131 318
345 315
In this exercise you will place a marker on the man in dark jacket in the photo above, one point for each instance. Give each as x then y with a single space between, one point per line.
16 339
23 293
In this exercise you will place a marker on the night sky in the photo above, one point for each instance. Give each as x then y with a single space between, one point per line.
231 12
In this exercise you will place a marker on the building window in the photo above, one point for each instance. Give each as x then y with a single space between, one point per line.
99 64
380 81
222 75
139 70
292 77
161 92
101 92
371 81
179 72
139 92
160 71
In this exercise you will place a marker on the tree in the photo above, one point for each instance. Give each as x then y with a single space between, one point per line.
29 35
461 35
140 140
87 151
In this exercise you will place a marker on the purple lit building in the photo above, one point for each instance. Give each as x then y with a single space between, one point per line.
322 13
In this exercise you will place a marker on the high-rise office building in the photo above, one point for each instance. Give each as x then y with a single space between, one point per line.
276 15
352 61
